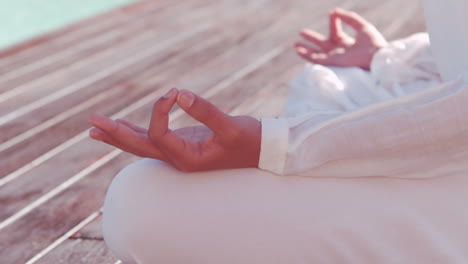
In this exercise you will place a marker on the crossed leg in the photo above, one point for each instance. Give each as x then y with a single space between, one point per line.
156 214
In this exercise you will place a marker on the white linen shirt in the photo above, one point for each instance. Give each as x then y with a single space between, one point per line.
398 120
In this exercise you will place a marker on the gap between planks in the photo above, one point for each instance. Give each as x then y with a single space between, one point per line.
45 157
83 45
61 239
100 75
27 134
72 34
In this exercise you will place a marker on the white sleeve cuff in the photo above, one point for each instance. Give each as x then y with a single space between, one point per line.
274 145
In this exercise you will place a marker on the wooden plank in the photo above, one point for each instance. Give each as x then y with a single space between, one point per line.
22 153
45 112
191 66
60 214
92 231
158 20
275 90
260 98
30 185
41 91
73 34
86 148
80 251
93 184
29 182
107 62
55 59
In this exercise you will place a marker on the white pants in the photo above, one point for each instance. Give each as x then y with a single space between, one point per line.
156 214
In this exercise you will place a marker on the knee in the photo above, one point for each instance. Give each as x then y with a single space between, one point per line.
124 204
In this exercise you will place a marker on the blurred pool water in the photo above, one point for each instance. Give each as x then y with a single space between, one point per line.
23 19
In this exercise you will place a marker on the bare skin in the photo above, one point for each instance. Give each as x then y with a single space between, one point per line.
223 141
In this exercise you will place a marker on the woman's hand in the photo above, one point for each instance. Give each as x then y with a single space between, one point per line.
223 142
340 49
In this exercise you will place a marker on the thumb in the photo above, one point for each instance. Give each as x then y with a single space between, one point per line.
337 33
352 19
206 113
336 29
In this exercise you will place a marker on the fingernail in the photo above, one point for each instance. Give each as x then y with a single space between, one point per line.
108 124
186 99
301 50
94 134
169 94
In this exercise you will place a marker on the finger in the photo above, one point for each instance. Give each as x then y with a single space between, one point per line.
352 19
337 33
114 129
159 133
310 54
321 58
99 135
206 113
121 136
159 124
171 145
103 123
336 28
316 38
303 48
132 126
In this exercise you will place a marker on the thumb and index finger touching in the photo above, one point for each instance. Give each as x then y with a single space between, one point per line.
195 106
352 19
206 113
337 17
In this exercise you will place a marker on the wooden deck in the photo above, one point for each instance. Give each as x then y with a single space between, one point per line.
237 53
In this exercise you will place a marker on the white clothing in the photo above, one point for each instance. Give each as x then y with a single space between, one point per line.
156 214
400 120
397 121
385 155
447 24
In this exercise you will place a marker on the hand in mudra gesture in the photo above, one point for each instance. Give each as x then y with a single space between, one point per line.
340 49
222 142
